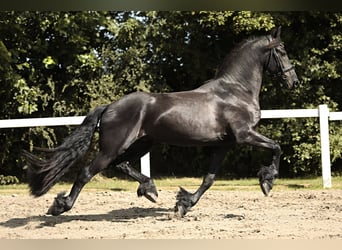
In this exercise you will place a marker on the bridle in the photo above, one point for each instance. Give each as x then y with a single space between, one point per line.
274 53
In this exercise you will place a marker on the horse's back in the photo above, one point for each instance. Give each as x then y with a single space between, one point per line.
126 107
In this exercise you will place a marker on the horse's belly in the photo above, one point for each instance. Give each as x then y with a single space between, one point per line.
186 139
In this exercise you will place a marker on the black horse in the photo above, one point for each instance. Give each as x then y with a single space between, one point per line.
223 111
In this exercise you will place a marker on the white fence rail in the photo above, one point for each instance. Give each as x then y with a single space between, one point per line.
322 112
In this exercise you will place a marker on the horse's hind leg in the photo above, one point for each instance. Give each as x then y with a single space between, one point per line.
146 188
64 203
186 200
138 149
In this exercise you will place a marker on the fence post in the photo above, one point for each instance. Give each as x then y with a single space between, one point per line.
145 165
325 147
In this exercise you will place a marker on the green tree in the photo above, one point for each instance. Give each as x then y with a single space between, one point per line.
65 63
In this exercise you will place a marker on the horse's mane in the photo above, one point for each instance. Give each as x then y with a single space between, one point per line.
235 53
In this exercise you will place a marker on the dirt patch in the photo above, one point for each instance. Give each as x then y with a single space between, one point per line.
218 215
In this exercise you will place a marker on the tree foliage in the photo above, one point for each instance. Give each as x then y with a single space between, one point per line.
65 63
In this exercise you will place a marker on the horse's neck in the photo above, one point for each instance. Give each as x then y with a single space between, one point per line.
245 70
249 82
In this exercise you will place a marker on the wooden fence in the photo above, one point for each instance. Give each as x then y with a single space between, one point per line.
322 112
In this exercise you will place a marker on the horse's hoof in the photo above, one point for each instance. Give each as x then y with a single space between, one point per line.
53 211
59 206
265 187
183 203
148 190
151 197
180 211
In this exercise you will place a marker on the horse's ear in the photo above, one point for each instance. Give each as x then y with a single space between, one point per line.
275 32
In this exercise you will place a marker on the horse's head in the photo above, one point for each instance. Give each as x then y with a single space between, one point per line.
278 63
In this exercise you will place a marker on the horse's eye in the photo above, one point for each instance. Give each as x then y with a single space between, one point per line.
281 51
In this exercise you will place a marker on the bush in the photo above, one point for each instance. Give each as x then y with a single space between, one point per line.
7 180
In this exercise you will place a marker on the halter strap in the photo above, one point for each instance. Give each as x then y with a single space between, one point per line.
274 53
279 63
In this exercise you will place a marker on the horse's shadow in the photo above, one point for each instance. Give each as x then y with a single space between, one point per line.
119 215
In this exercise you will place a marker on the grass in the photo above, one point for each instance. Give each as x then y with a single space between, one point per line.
114 184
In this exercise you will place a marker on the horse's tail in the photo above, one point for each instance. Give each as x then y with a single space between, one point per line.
44 173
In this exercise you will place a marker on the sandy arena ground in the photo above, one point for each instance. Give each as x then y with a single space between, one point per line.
218 215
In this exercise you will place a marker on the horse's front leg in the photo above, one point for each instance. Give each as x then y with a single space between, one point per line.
186 200
266 174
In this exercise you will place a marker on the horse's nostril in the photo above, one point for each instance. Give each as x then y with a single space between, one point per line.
295 83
